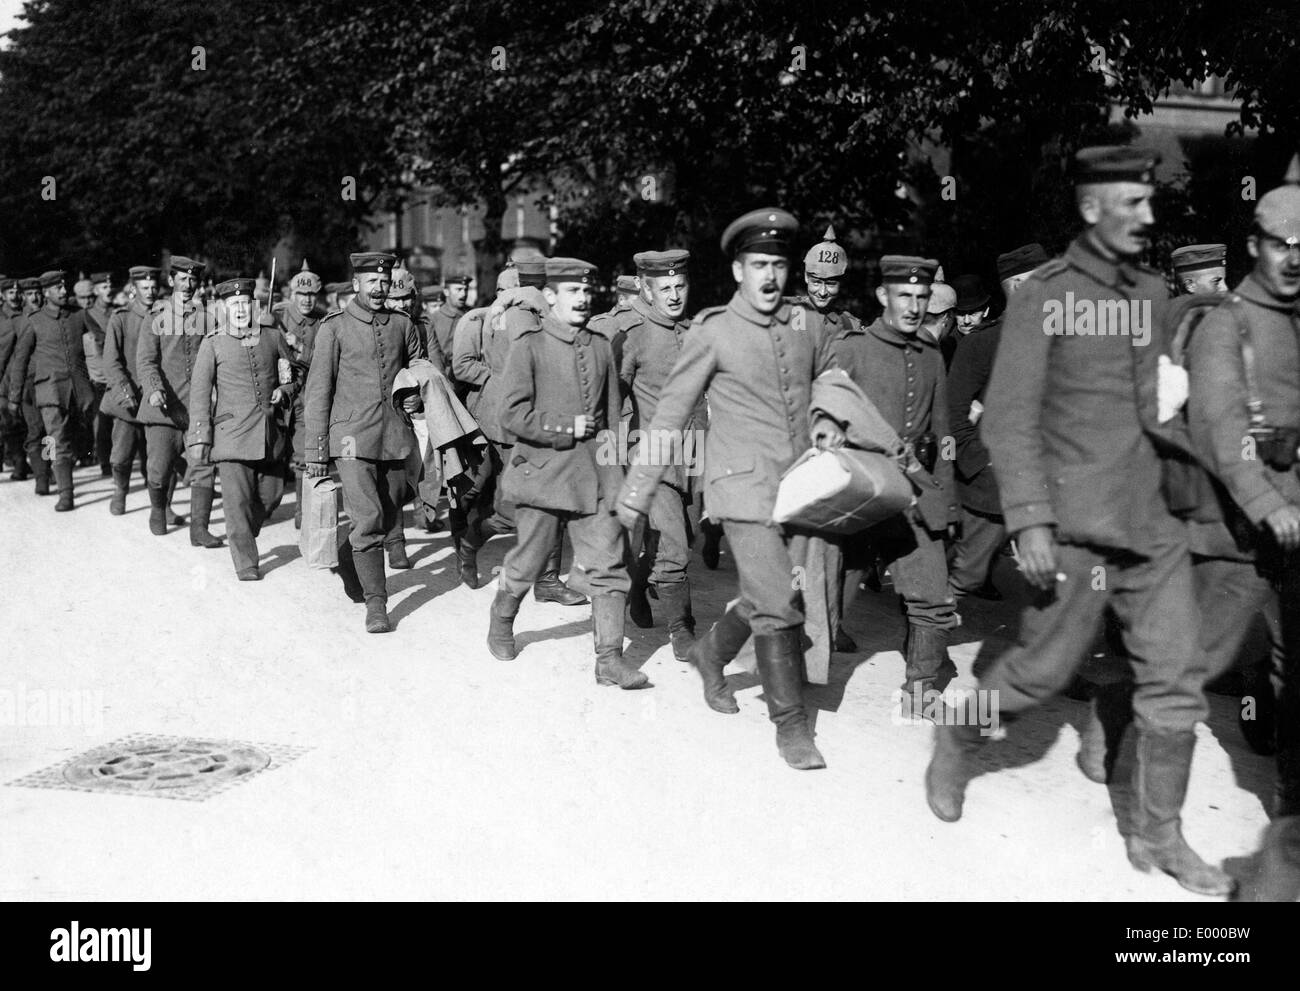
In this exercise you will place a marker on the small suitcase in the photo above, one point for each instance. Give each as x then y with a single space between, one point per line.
841 491
319 538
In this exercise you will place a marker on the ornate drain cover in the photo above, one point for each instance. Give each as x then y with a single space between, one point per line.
163 766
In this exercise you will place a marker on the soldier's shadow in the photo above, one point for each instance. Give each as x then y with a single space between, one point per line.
429 580
278 557
574 629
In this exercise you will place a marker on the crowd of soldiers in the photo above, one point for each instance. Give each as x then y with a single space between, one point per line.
1139 453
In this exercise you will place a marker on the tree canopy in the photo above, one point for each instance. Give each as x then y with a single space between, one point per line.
652 122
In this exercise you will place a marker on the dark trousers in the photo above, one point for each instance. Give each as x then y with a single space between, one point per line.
166 462
982 536
38 456
250 493
668 538
599 549
918 563
67 429
128 440
765 562
13 432
1155 603
372 496
102 425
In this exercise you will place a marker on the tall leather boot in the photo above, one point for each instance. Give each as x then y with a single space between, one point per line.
638 605
712 548
549 588
780 669
63 480
676 602
374 585
121 483
712 653
297 498
501 625
1164 765
42 474
951 768
200 514
607 617
466 562
929 669
397 559
1109 714
174 518
157 510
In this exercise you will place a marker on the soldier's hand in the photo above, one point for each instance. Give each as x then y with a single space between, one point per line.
317 469
1036 552
826 434
198 454
277 397
156 399
976 411
1285 524
413 403
583 427
628 517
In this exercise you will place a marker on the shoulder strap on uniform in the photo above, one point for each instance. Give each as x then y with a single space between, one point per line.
1055 266
708 313
1254 404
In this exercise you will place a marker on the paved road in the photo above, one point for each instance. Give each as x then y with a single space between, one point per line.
433 771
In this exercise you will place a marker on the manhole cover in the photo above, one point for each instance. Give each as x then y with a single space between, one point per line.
163 766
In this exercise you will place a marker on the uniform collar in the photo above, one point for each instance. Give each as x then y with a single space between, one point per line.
742 308
355 309
52 310
295 319
1083 255
559 329
648 312
447 309
897 338
138 308
1250 288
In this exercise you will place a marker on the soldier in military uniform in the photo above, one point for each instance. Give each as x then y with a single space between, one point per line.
654 328
904 377
350 419
757 357
1073 423
22 391
474 361
1244 414
1200 268
299 323
92 323
983 530
122 398
12 427
236 389
445 319
560 391
51 351
164 357
515 312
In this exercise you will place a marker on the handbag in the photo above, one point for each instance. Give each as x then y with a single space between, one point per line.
318 540
841 491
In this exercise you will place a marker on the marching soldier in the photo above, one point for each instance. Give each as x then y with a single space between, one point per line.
403 299
165 355
757 360
1073 425
653 330
350 419
92 322
12 427
122 397
983 530
560 392
445 319
515 313
300 322
236 389
1200 268
904 377
22 391
1244 414
51 353
626 289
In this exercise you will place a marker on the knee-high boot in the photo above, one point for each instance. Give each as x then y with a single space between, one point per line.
780 668
607 618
